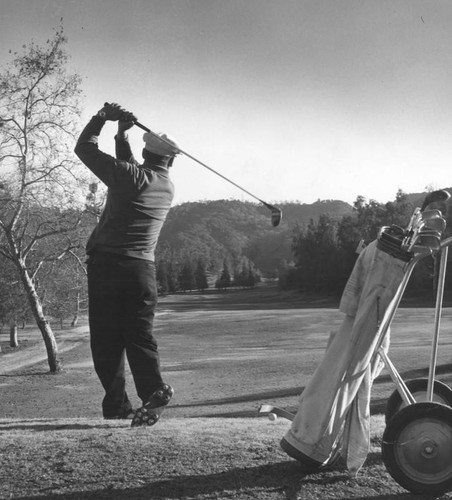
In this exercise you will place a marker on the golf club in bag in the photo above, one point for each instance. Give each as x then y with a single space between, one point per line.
276 213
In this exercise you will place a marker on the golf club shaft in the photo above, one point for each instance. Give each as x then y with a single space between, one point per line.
140 125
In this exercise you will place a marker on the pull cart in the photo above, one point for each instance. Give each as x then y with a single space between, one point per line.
417 440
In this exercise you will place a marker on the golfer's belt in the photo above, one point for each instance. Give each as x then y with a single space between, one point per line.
390 240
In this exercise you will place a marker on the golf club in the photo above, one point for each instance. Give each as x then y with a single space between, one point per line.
426 226
425 242
276 213
421 214
433 224
435 196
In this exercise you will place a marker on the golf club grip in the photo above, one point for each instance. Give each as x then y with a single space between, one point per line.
137 123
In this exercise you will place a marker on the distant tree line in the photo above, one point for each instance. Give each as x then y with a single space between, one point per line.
325 250
173 276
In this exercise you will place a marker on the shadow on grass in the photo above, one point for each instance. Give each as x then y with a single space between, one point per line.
284 479
27 372
27 425
245 398
377 405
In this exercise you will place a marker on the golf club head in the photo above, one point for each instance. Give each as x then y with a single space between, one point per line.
434 197
276 216
433 224
432 213
425 242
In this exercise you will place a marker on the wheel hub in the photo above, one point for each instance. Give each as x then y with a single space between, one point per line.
429 448
426 449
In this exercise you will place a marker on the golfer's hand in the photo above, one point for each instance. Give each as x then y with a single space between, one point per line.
126 121
111 112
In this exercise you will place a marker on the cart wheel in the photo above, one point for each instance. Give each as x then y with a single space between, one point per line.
442 393
417 448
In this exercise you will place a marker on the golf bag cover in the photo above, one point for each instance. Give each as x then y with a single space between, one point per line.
334 409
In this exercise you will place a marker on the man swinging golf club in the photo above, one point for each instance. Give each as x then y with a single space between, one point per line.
121 271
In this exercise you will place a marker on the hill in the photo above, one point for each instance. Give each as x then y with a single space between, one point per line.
241 232
236 230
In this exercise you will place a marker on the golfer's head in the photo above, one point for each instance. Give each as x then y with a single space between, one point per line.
159 144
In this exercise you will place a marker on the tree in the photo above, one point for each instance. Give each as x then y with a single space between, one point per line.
201 276
162 277
325 251
247 276
225 280
187 280
13 302
171 277
39 173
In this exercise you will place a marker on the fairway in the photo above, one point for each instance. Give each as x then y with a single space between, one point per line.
225 354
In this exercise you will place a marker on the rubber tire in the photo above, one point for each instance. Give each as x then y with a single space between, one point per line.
442 393
404 453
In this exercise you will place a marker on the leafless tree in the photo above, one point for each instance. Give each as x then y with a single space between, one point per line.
40 179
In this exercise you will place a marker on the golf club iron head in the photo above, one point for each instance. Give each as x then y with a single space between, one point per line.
425 242
433 224
433 212
424 221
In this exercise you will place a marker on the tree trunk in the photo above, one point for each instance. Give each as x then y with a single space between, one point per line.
41 321
13 341
77 310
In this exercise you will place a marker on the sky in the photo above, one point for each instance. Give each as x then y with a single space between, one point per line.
294 100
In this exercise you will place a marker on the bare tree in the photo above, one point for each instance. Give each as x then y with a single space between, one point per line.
39 179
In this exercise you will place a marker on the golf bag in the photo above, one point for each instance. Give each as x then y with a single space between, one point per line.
334 410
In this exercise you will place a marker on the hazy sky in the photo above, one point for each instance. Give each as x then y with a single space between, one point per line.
292 99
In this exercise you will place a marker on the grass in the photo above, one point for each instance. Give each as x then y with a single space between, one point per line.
225 354
195 458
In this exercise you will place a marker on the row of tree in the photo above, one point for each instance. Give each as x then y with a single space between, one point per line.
325 250
186 276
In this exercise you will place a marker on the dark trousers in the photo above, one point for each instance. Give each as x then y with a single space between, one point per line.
122 299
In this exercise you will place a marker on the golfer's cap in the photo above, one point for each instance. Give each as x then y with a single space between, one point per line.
160 144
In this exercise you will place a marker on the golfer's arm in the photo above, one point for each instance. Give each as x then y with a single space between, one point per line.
101 164
123 149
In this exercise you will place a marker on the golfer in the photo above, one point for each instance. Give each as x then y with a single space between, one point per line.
121 271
